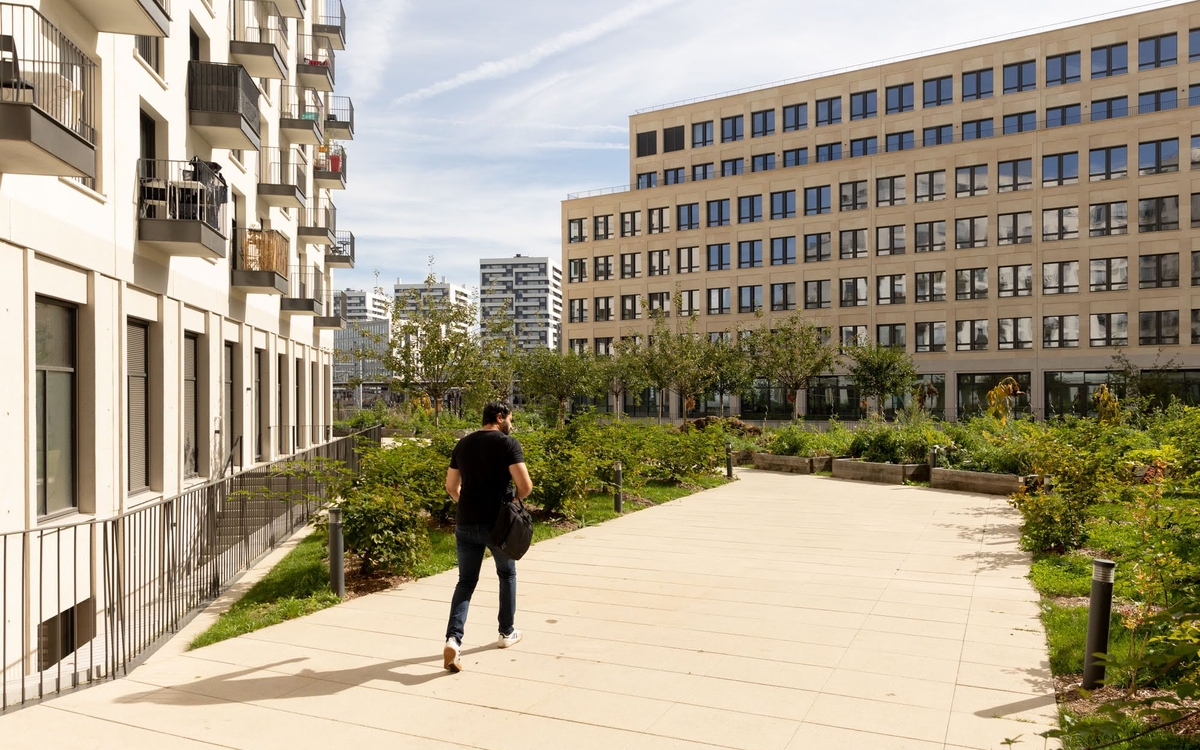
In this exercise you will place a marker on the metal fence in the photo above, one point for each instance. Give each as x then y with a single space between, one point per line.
83 602
182 191
223 89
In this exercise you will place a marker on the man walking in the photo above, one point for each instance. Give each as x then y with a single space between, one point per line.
483 468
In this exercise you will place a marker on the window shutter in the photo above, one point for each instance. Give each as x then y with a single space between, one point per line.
138 406
191 436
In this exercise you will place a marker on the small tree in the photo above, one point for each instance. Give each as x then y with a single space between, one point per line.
497 360
624 371
552 378
878 371
685 355
792 353
658 354
732 368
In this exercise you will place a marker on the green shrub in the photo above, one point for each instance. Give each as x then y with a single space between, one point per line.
560 470
387 532
1054 521
802 440
414 468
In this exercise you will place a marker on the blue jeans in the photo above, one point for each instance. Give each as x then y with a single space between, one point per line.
472 540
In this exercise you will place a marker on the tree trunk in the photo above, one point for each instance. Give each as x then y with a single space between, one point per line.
437 412
795 404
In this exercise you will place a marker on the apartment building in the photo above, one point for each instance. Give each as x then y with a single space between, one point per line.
1021 208
365 304
443 290
529 291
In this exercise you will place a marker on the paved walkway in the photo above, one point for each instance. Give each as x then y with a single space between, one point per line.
778 612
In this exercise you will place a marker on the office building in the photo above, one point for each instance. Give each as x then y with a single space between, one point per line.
528 290
366 304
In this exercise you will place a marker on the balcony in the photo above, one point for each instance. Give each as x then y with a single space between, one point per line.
291 8
314 63
260 39
331 168
48 95
281 178
141 17
331 23
304 295
223 105
181 207
336 320
340 122
261 262
341 253
318 225
302 116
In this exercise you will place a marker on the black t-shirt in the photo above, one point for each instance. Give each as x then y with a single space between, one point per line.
483 458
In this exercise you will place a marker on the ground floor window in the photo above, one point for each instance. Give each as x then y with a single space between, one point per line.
932 387
1071 392
56 419
833 396
973 389
767 400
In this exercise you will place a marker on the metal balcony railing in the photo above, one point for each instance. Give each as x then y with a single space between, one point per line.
336 303
306 282
332 159
341 109
323 216
332 14
183 191
282 166
39 65
260 21
314 52
299 103
262 250
223 89
344 247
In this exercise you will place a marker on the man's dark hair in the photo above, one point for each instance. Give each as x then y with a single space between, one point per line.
494 410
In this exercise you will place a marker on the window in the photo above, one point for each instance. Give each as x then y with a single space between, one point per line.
1157 101
817 294
673 176
863 105
890 335
1109 329
1107 109
1194 45
659 304
1014 175
630 310
718 301
702 172
783 296
1194 95
731 167
603 309
931 336
1195 210
1014 229
817 200
749 209
578 346
931 286
763 163
718 213
750 254
762 123
578 311
783 251
853 195
783 204
1020 76
660 262
852 335
659 220
854 292
149 48
1156 52
976 129
1068 114
890 289
864 146
1159 328
631 265
817 247
1061 277
899 98
931 236
795 157
1107 163
750 298
603 267
931 186
970 232
939 91
1014 281
647 144
1158 271
647 180
1109 274
889 191
977 84
1014 333
852 243
795 117
1196 268
971 181
732 129
603 226
1063 69
1105 219
577 271
687 260
1020 123
689 302
1158 157
900 141
1158 214
1060 331
970 335
971 283
829 111
829 152
56 407
673 139
718 257
137 383
937 135
1110 61
702 134
631 223
1060 224
1060 169
688 216
603 346
575 232
889 240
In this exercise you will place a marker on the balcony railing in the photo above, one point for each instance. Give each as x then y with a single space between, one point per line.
344 247
259 21
262 250
341 117
306 282
39 65
299 103
331 22
282 166
182 191
323 216
314 56
223 89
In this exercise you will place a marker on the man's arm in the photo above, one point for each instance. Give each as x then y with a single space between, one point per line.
520 477
453 483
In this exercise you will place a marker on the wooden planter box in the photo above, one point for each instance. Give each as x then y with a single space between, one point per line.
790 464
867 471
979 482
822 463
743 457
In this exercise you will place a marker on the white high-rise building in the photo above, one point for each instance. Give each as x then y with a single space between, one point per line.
438 291
365 304
528 290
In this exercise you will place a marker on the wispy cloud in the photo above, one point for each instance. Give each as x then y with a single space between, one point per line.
508 66
604 145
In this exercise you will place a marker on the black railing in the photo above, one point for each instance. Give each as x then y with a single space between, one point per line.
341 109
315 54
39 65
282 166
81 602
344 247
182 191
332 159
332 14
306 282
259 21
262 250
223 89
299 103
323 216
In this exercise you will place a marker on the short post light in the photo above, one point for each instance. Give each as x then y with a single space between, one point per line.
728 460
1099 618
618 481
337 568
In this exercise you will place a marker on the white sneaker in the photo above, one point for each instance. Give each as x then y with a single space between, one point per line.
511 639
450 656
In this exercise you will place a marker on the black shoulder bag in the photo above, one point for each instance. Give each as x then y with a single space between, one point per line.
513 532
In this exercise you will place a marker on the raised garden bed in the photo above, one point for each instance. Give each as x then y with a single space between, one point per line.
790 464
868 471
979 482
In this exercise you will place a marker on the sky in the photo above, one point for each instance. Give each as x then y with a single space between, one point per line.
475 118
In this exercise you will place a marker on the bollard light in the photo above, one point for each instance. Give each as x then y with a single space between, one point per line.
618 480
728 460
337 566
1099 617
